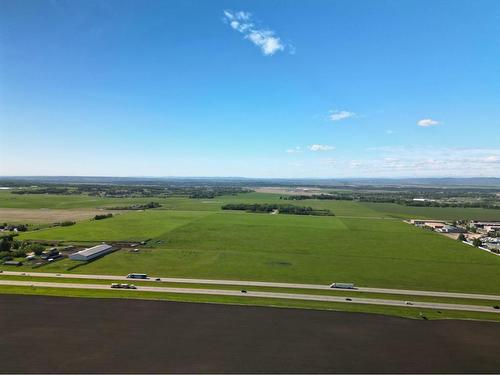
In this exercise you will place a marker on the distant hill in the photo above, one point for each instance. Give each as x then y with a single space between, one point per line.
486 182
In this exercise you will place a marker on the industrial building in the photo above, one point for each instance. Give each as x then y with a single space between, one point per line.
451 229
91 252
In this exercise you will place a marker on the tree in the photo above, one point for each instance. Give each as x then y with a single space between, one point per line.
461 237
5 244
476 242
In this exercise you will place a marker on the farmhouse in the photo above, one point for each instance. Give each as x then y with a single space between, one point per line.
91 252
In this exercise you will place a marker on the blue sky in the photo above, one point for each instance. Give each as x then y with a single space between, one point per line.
250 88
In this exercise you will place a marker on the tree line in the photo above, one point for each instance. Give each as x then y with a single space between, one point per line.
281 208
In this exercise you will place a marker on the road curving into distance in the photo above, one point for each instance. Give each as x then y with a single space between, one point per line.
261 284
250 294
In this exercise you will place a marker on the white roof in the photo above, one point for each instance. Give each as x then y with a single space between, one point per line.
94 250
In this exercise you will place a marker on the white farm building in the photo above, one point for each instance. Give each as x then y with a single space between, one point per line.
91 252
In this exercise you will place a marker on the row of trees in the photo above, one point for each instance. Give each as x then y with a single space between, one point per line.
403 200
103 216
134 191
11 227
137 206
282 208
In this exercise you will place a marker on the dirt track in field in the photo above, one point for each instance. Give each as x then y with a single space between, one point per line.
46 215
55 334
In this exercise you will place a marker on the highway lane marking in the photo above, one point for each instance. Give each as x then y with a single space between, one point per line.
263 284
292 296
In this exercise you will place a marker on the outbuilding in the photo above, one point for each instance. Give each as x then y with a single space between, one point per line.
91 252
12 263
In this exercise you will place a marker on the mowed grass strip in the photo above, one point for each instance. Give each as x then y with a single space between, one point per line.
251 288
407 312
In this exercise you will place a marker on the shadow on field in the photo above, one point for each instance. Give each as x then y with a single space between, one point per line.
56 334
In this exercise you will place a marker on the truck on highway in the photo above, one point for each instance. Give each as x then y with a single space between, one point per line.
342 285
137 276
123 286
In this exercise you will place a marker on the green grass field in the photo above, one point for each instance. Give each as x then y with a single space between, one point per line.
287 248
340 208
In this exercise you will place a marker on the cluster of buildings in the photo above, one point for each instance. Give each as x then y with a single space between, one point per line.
485 227
438 226
483 234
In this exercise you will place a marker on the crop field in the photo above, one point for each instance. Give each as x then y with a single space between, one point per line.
369 209
287 248
340 208
186 337
46 215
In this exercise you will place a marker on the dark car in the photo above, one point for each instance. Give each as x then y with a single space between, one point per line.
243 291
157 279
496 307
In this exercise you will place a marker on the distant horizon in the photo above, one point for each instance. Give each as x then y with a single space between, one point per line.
255 178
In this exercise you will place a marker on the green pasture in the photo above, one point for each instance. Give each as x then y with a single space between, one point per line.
439 213
131 226
340 208
286 248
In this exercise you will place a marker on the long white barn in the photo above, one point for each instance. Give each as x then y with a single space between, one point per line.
91 252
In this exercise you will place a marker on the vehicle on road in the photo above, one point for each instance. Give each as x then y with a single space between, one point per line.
342 285
496 307
243 291
157 279
408 303
123 286
137 276
348 299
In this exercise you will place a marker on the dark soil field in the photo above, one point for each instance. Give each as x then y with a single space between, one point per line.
54 334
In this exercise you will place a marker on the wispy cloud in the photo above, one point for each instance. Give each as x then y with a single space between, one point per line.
337 115
262 37
492 159
317 147
294 150
426 122
432 161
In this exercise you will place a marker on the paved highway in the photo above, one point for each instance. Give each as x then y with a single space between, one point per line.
265 284
289 296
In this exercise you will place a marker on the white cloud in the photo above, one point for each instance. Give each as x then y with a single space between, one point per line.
340 115
433 161
492 159
426 122
267 40
321 147
294 150
328 162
